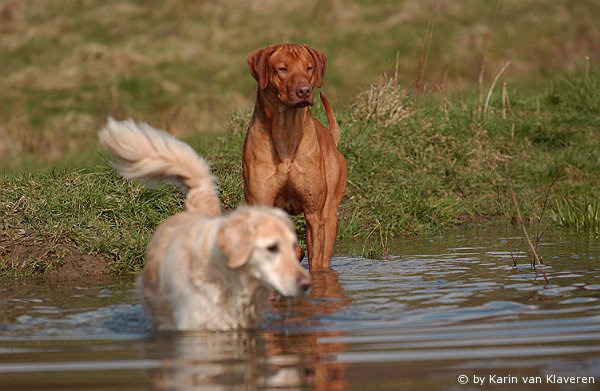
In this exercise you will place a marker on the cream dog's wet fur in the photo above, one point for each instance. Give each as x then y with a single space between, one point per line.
204 270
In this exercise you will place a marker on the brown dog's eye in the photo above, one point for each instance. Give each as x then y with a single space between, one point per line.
274 248
282 69
309 67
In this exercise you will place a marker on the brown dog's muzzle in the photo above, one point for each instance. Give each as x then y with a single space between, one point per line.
305 96
304 92
301 94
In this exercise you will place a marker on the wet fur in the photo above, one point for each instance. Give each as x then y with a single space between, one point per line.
204 270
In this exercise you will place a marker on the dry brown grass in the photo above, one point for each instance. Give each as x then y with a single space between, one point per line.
66 65
385 103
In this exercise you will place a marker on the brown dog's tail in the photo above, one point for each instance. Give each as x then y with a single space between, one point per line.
143 152
333 125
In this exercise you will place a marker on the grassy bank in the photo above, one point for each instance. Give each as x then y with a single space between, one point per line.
415 165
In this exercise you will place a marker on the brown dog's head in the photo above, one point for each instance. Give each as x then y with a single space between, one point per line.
289 70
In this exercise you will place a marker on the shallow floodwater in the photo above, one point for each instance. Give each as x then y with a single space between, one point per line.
441 308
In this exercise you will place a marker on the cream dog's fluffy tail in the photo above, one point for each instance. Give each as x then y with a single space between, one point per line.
143 152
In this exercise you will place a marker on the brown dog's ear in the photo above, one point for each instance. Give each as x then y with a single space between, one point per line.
258 62
320 65
235 239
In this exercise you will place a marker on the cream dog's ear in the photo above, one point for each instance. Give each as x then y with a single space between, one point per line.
236 239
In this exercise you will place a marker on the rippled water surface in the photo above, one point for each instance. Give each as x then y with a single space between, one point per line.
441 308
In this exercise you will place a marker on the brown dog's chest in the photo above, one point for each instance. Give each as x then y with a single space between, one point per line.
297 184
293 178
289 200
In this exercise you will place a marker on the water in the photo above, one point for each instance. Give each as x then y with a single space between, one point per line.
444 307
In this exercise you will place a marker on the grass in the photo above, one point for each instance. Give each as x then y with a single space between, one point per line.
440 167
431 147
580 213
434 166
92 211
66 66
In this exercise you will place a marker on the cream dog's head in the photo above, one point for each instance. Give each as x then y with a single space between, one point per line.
261 241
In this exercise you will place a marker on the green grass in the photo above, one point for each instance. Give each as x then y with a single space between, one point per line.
583 214
415 164
93 211
432 167
442 167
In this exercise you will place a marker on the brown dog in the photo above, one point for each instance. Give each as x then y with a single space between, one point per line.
290 159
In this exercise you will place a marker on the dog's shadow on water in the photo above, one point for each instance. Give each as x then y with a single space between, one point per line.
284 352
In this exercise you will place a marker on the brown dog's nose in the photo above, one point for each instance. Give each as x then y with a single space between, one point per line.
304 283
304 92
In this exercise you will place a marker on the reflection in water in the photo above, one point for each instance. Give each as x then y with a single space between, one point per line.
197 360
318 366
440 308
273 358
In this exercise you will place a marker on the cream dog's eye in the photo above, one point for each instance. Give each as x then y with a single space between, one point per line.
274 248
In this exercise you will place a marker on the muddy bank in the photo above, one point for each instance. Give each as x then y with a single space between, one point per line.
23 255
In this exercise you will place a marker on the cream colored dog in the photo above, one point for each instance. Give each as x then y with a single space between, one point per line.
204 270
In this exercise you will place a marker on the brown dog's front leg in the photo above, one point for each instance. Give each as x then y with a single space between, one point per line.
299 252
309 245
330 234
315 240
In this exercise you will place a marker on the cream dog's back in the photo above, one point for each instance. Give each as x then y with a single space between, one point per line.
204 270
